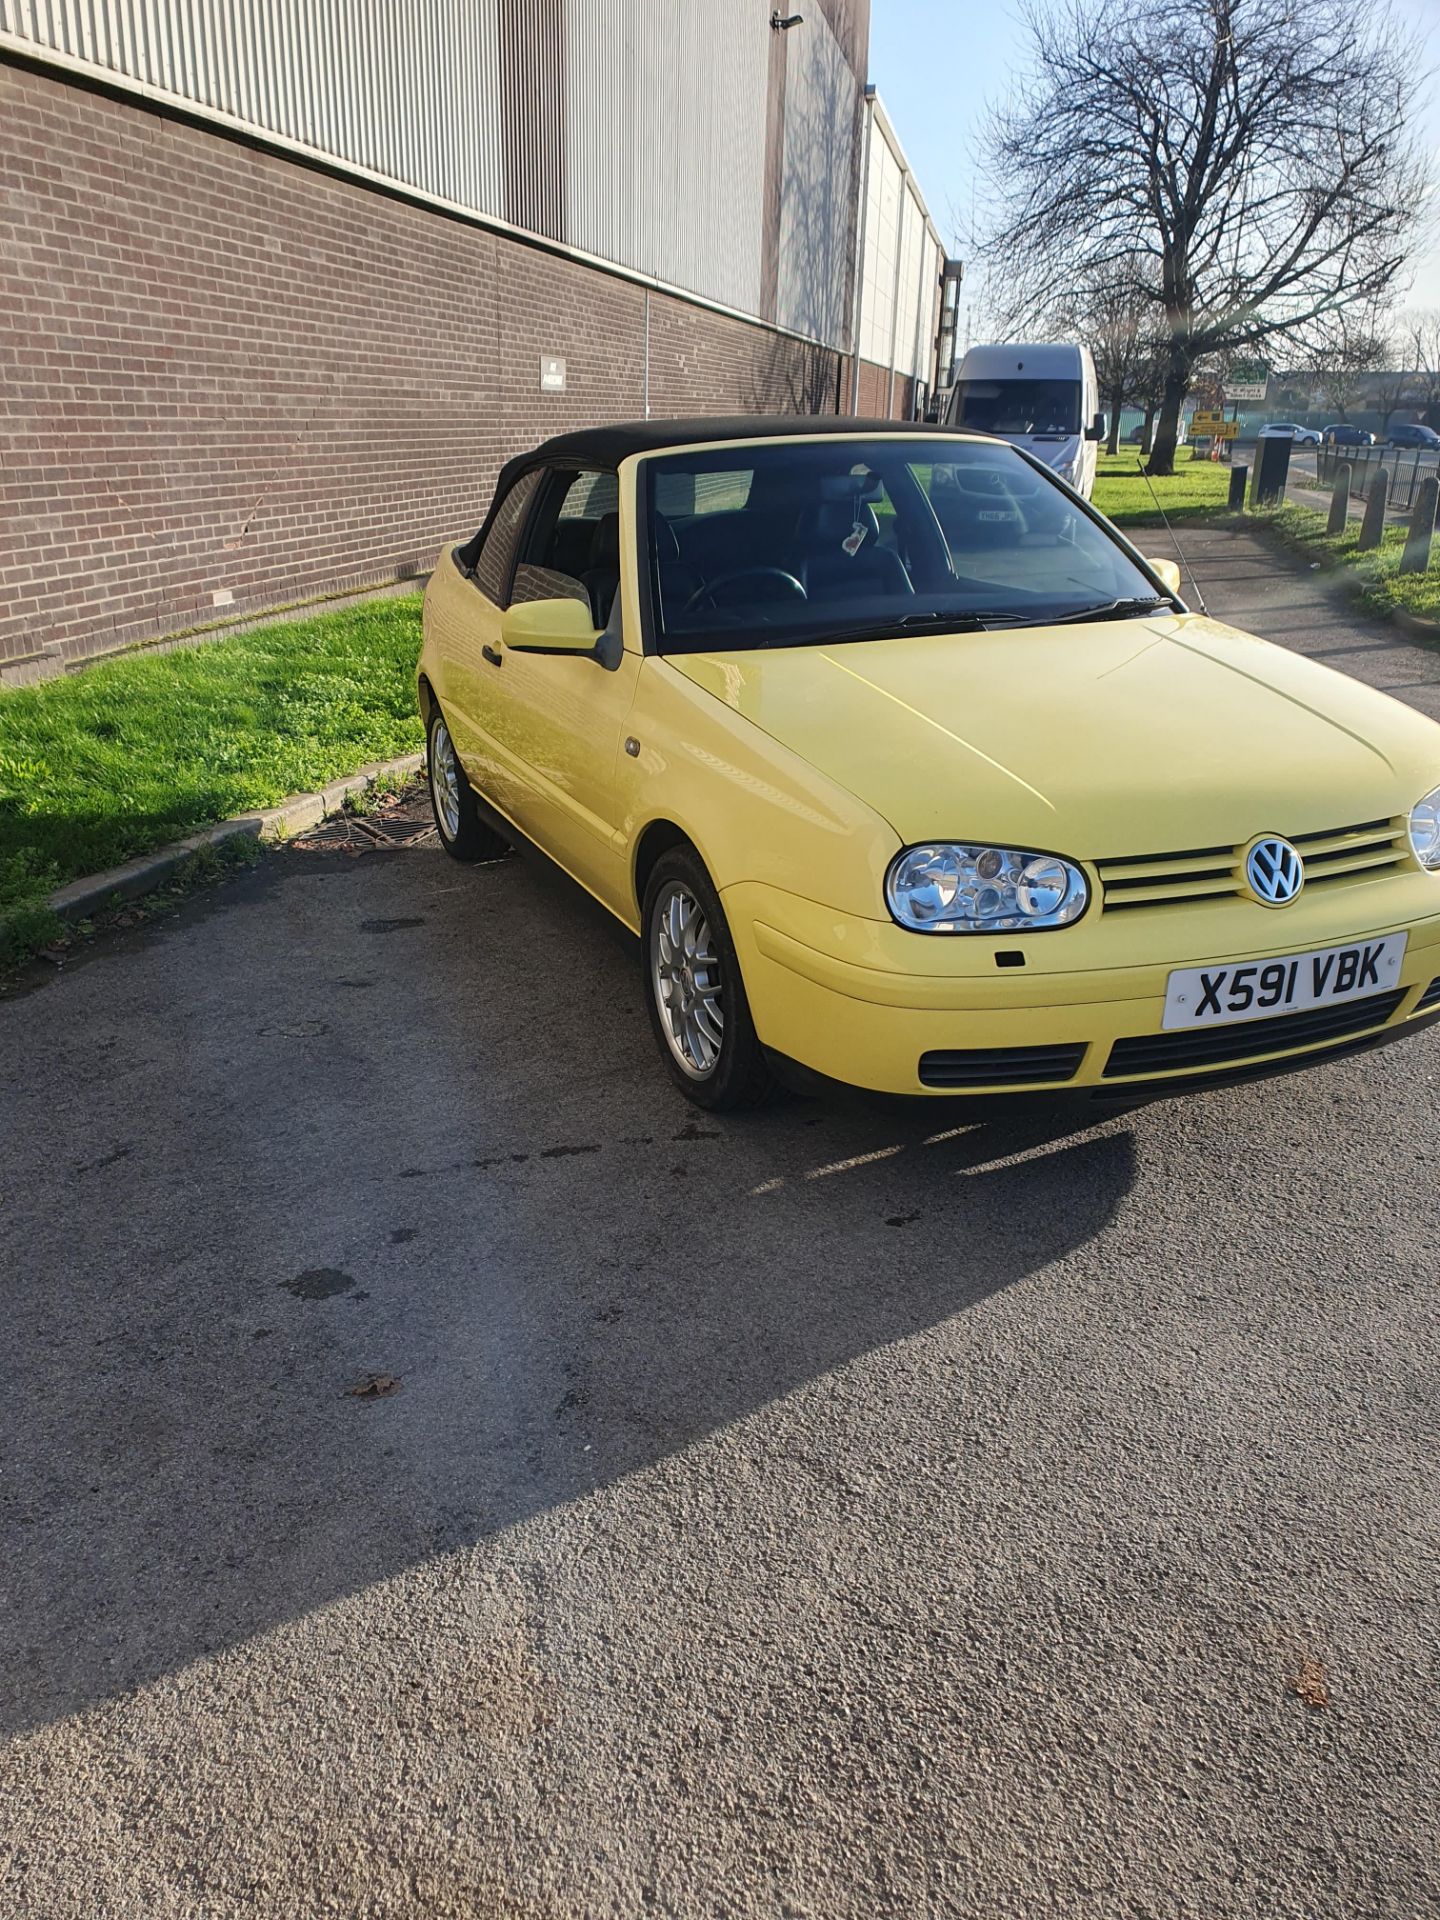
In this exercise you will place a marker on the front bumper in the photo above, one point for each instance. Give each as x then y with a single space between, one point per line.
837 997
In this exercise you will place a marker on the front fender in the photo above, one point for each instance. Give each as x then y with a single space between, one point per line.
753 809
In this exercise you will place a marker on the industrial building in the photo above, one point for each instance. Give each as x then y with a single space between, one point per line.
284 281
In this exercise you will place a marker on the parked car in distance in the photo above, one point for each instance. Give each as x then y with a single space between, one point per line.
856 726
1413 434
1342 434
1287 430
1042 398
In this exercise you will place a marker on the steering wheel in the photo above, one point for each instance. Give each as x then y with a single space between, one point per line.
793 588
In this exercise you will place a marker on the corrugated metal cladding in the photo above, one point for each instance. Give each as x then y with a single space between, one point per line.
630 129
818 184
665 126
410 92
900 283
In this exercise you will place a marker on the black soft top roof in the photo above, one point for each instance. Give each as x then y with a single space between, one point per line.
608 446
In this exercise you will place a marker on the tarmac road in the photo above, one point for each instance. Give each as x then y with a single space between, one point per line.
826 1513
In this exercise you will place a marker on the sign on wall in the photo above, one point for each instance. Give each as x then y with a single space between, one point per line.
552 373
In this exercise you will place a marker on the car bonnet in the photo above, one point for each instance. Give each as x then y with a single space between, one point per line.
1123 736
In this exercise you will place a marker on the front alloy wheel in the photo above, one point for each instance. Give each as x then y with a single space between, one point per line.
444 779
693 988
687 980
463 833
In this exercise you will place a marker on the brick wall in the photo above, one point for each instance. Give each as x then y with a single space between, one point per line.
226 372
879 398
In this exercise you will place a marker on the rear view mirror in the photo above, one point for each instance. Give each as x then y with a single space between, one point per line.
549 626
1167 573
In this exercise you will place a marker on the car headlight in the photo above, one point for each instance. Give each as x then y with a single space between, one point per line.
1425 830
950 888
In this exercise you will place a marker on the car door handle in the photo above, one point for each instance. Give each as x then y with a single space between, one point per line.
493 655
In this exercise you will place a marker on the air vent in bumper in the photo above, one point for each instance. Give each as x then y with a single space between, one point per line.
1002 1066
1213 1046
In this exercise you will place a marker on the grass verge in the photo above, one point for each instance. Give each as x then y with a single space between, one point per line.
1197 490
128 755
1374 576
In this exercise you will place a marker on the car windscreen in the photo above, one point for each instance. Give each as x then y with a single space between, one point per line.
789 543
1018 406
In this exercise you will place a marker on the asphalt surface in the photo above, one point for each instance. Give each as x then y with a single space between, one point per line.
824 1513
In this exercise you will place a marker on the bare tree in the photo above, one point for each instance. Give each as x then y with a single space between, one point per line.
1116 321
1147 385
1391 391
1249 160
1354 345
1422 349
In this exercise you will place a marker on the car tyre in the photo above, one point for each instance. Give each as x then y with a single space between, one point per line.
463 833
694 991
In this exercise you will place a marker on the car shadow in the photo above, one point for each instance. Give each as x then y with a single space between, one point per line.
387 1124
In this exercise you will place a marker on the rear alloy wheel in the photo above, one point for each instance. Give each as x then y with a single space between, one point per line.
694 991
463 834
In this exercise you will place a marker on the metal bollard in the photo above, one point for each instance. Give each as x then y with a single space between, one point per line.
1340 500
1372 527
1416 557
1239 479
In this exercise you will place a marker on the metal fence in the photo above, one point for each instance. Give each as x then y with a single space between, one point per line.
1407 467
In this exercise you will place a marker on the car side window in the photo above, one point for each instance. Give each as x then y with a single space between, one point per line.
571 548
492 566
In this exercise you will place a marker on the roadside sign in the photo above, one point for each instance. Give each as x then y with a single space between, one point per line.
1247 380
1206 420
1227 430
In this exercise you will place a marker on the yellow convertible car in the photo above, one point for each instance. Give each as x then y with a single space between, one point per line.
912 774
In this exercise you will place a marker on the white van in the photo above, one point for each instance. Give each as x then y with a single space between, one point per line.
1043 398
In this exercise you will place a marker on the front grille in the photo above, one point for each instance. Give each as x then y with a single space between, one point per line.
1170 879
1429 998
1211 1046
1001 1066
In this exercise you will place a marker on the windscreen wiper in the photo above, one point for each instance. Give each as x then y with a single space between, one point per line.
907 623
1109 609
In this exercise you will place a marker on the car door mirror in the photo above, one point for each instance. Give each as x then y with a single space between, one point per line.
1096 428
1167 573
549 626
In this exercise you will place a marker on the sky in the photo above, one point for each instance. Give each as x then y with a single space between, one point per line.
938 63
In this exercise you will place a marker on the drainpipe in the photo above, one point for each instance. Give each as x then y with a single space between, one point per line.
859 303
895 295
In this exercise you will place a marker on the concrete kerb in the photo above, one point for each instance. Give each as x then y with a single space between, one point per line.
81 898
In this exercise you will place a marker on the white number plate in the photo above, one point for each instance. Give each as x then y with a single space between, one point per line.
1260 989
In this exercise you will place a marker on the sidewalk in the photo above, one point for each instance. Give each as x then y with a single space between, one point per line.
1246 581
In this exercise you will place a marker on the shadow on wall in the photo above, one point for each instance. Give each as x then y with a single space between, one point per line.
229 1208
819 187
790 376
